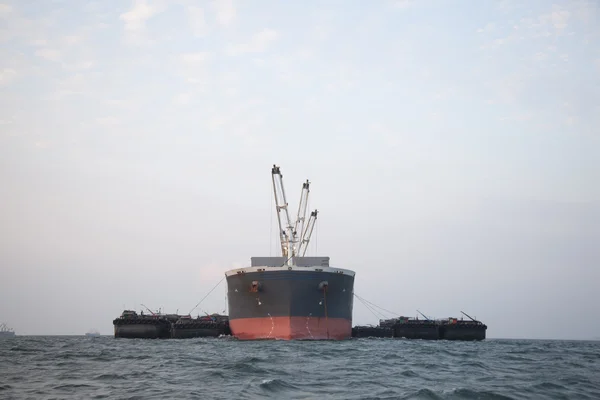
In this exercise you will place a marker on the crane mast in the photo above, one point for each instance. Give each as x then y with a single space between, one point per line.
286 233
301 217
294 237
307 233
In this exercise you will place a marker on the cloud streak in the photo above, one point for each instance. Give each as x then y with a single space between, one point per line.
225 10
135 19
259 43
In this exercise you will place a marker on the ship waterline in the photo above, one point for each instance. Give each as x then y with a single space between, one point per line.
291 328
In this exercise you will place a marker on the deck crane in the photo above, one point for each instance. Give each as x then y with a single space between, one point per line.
295 236
301 218
307 233
286 230
151 312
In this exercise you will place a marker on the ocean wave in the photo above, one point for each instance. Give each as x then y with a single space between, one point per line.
276 385
423 394
71 386
108 377
409 373
69 367
463 393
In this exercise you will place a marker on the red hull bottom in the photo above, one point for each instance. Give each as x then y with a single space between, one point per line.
289 328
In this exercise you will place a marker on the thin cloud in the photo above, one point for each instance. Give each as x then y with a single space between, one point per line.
226 12
5 10
107 121
257 44
7 75
196 58
48 54
135 19
197 21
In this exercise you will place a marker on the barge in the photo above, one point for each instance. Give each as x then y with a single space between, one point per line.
426 329
366 331
207 326
132 325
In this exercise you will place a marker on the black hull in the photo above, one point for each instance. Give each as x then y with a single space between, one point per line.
417 331
462 332
372 331
142 331
186 331
436 330
294 293
290 303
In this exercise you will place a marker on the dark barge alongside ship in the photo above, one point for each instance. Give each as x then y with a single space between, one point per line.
132 325
426 329
207 326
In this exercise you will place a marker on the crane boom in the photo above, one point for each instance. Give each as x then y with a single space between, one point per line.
286 230
307 233
472 319
424 316
301 217
148 309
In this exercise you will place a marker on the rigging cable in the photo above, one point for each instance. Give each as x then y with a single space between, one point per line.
196 306
374 312
375 305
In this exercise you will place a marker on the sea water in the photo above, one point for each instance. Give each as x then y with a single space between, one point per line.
63 367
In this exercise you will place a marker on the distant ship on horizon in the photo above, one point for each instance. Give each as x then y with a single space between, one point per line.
92 333
5 331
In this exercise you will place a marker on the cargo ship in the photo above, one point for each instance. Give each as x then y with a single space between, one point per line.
291 296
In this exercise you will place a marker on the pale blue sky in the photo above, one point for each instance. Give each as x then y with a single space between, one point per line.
453 149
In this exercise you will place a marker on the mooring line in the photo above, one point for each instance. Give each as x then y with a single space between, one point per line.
196 306
371 309
375 305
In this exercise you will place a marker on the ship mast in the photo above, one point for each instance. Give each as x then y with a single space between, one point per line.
294 237
286 230
299 225
307 233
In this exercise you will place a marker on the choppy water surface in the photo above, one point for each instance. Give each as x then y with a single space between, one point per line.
104 367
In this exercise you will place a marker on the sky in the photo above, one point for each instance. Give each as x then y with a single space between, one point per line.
453 150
